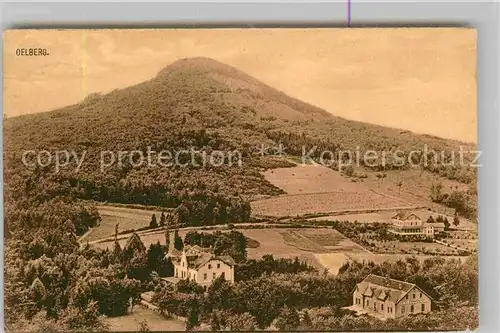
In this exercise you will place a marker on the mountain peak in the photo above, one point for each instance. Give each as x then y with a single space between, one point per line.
200 63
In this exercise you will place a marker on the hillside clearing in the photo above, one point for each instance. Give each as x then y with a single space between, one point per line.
127 218
155 321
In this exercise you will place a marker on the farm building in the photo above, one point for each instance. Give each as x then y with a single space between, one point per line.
200 265
388 298
404 224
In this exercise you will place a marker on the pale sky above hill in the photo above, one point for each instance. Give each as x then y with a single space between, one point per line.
420 79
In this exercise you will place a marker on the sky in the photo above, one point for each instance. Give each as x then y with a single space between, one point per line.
419 79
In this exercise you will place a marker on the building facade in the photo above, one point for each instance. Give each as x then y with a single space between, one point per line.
411 225
199 265
388 298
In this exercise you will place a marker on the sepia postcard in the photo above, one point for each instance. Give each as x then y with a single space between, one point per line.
240 179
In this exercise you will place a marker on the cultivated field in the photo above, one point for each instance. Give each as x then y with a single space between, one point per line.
305 244
329 202
311 178
313 189
128 219
155 321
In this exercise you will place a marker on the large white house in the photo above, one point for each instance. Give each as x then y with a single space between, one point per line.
388 298
198 264
404 224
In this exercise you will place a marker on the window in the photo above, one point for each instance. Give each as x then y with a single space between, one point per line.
209 266
213 276
381 307
218 265
412 309
223 274
367 302
406 297
205 276
423 307
414 295
183 264
403 309
375 306
420 295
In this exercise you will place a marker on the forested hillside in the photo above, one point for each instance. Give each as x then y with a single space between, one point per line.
197 104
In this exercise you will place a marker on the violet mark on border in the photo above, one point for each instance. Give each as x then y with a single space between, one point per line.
348 13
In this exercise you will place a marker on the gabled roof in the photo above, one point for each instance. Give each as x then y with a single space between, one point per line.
388 283
402 216
173 253
436 224
195 250
134 241
206 257
197 256
385 288
227 260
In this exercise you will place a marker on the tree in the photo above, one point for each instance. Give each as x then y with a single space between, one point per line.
214 322
288 319
305 322
241 322
436 194
163 219
399 184
178 244
193 317
156 259
143 326
446 223
84 320
153 223
348 170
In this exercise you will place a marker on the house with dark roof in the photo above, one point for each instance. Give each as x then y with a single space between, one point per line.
200 265
385 298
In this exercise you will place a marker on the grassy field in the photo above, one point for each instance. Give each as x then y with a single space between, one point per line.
315 189
310 178
128 218
322 248
154 320
280 242
328 202
312 189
